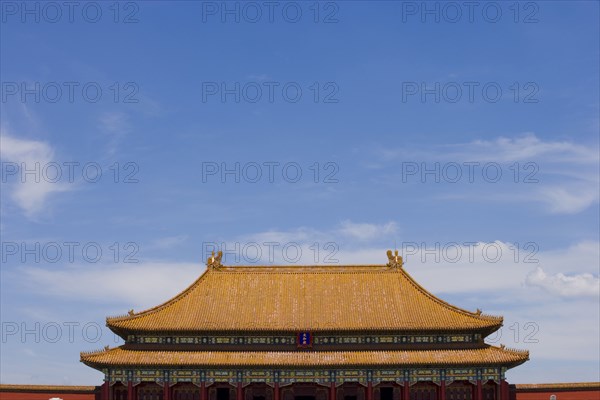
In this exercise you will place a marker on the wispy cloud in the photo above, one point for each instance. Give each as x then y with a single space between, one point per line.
114 283
570 181
116 126
527 147
366 231
569 198
560 175
30 192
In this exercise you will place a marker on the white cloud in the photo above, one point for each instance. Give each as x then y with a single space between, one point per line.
30 192
141 285
444 267
365 231
581 285
348 229
306 246
496 266
577 187
298 235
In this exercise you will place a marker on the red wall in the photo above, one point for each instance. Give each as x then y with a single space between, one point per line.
560 395
562 391
31 392
45 396
24 392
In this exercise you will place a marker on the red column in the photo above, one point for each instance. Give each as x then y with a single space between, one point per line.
369 391
240 391
479 390
442 390
503 390
104 391
406 391
276 391
203 391
130 391
332 391
166 391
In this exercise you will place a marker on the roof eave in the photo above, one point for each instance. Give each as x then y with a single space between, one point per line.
123 332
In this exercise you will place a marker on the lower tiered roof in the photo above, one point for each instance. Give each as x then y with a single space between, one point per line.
488 356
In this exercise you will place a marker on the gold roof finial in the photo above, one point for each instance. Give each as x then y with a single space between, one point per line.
394 260
130 312
214 261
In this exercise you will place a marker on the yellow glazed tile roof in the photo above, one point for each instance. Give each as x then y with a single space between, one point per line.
482 356
314 298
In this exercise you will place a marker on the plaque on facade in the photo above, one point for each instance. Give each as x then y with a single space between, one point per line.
304 339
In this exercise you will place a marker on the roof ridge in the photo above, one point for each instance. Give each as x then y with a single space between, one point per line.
306 269
282 266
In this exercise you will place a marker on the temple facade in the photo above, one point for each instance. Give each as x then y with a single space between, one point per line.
355 332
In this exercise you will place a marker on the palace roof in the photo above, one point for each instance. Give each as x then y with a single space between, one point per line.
304 298
487 356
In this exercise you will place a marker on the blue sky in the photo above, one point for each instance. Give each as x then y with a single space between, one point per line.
466 138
